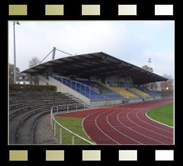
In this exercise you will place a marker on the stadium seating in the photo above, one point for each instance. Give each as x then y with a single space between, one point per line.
90 89
81 88
121 91
124 92
106 92
26 108
147 91
141 93
99 90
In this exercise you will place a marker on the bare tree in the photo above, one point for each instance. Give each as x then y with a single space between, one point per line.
33 62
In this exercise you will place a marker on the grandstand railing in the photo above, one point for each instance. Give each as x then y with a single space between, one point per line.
75 85
82 88
54 122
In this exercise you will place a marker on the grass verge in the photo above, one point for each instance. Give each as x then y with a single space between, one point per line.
163 114
75 125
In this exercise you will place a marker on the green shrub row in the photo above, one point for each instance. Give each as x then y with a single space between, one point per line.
19 87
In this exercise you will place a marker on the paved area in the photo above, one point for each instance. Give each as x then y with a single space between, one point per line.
44 134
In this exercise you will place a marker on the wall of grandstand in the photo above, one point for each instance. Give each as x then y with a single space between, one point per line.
62 88
107 102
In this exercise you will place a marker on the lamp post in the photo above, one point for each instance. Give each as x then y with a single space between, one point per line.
15 76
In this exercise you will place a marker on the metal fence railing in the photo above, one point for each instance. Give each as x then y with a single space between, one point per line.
54 123
85 90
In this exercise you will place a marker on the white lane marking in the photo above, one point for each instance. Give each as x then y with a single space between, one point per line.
103 111
149 129
98 126
158 122
151 124
137 131
103 131
84 119
107 119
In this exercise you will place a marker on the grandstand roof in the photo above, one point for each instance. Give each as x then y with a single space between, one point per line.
95 64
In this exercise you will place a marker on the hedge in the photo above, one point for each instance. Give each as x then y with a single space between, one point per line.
19 87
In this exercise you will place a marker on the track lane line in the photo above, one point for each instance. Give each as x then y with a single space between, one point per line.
103 131
129 137
151 124
157 121
148 119
150 130
95 122
146 105
137 131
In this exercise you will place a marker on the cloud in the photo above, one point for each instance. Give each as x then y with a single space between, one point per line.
131 41
162 62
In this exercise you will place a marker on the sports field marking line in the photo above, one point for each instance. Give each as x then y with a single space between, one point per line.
97 125
70 111
147 128
135 130
103 131
118 130
151 124
67 128
140 127
158 121
83 126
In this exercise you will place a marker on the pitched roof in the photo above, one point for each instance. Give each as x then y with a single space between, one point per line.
95 64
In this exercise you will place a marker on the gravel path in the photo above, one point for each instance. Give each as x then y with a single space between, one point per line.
44 134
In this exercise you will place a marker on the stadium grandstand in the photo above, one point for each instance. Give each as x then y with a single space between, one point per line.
97 79
86 81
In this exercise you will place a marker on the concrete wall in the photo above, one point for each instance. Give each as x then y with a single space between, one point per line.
42 81
62 88
135 100
109 102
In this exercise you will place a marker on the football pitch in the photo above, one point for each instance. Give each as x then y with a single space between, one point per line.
163 114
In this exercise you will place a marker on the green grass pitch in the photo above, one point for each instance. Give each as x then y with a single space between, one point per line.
75 125
163 114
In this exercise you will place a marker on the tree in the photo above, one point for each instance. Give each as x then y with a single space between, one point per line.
167 85
146 67
152 85
11 73
33 62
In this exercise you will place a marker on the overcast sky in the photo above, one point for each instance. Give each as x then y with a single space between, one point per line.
132 41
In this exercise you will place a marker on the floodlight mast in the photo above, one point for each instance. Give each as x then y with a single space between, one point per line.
149 62
15 75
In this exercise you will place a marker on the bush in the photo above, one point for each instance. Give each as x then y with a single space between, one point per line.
19 87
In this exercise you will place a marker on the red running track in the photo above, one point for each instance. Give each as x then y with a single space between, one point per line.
126 124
